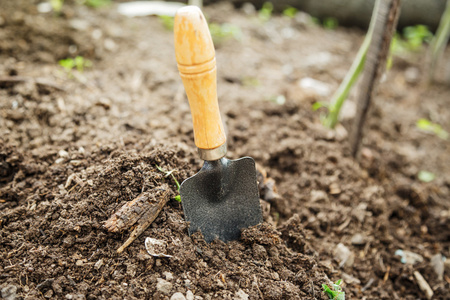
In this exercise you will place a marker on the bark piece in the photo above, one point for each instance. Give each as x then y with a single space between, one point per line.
143 210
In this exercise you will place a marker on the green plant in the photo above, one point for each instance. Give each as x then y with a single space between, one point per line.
330 23
290 12
95 3
426 176
167 22
428 126
265 13
337 100
336 293
170 173
57 5
78 62
412 39
221 32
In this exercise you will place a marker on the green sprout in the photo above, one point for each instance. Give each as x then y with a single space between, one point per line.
412 39
78 62
57 5
167 22
428 126
94 3
426 176
330 23
222 32
265 13
170 173
334 107
290 12
336 293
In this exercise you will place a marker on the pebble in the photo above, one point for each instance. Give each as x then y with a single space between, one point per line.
437 263
408 257
344 255
318 195
241 295
358 239
63 153
163 286
98 264
168 275
189 295
319 87
9 292
178 296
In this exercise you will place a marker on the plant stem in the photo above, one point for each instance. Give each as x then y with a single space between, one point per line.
387 15
352 75
439 41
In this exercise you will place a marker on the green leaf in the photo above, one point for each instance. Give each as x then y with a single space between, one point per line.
330 23
266 11
428 126
318 105
290 12
178 198
426 176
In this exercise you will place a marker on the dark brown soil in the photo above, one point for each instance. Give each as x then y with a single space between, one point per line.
76 147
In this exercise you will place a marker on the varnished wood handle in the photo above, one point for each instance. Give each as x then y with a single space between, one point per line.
194 51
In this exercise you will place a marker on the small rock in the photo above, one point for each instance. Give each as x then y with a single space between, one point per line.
178 296
79 263
349 279
318 195
334 189
412 75
423 285
408 257
189 295
240 295
163 286
98 264
437 262
9 292
63 154
48 294
348 111
358 239
344 255
319 87
168 275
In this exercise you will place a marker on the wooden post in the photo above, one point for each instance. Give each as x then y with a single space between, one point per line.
385 24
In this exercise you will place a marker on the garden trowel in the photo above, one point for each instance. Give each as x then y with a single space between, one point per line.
222 198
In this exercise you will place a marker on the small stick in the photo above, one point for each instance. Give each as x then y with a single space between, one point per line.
38 81
385 24
143 210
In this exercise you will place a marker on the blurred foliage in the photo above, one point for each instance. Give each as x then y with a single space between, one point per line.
78 63
167 22
265 13
290 12
330 23
222 32
412 39
428 126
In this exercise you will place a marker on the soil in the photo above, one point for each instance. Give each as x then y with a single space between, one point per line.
75 147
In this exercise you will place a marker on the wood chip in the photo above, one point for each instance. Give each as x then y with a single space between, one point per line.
143 210
423 285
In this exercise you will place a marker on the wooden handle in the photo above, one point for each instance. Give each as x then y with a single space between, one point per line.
195 55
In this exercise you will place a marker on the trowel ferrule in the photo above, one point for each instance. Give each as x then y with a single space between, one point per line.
213 154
